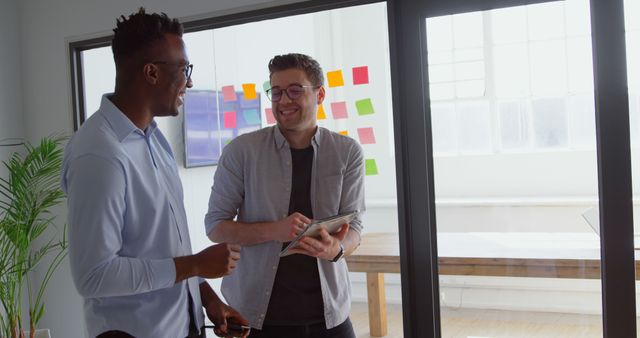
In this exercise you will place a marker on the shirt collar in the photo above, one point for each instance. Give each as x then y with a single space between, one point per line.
280 140
119 122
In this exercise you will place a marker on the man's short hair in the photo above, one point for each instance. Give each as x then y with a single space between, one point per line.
139 31
299 61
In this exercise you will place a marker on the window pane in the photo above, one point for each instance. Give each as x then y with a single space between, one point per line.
443 124
475 127
511 70
550 123
97 65
511 189
514 127
509 25
467 30
546 21
548 68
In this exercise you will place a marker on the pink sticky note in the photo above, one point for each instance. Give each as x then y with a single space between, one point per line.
339 110
270 118
229 120
366 136
360 75
229 94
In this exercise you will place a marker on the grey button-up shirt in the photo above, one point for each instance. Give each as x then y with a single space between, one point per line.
253 182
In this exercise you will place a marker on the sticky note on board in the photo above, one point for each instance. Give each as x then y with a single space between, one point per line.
229 120
344 132
364 107
266 85
251 116
229 94
249 90
366 136
321 115
370 167
339 110
335 78
360 75
268 112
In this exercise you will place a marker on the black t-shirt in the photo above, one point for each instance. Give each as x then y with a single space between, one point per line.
296 298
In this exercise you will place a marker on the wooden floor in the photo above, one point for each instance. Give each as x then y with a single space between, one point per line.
468 323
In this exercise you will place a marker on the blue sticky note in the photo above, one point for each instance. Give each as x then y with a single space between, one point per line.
252 116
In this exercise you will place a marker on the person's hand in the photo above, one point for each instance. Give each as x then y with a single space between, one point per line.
221 314
289 227
326 247
217 260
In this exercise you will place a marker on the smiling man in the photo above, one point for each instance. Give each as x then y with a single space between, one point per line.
129 246
275 180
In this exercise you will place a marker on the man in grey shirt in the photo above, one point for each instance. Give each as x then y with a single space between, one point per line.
275 180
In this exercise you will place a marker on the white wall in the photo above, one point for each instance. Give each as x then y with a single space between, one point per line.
45 28
11 115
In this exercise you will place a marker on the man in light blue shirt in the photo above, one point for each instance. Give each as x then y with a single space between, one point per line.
129 245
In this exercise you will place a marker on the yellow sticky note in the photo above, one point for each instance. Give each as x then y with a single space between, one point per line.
344 132
321 114
335 78
249 91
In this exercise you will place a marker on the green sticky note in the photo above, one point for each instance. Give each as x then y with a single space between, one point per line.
266 86
370 167
251 116
364 107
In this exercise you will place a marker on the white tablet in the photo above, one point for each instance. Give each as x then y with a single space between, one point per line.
331 224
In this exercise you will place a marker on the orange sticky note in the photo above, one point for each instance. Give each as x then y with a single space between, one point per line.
269 114
344 132
335 78
229 120
321 114
249 91
366 136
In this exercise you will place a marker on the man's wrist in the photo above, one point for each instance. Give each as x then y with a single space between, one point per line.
339 255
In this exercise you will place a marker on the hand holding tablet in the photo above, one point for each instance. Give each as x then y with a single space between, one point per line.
330 224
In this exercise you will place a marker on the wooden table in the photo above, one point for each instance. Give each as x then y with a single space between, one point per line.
545 255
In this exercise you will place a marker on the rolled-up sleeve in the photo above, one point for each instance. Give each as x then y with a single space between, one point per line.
352 197
227 192
96 189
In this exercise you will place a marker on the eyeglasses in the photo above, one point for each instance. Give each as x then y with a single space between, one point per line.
294 91
188 68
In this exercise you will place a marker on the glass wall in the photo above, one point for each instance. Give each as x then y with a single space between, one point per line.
515 171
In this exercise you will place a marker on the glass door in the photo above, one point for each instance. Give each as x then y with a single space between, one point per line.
515 171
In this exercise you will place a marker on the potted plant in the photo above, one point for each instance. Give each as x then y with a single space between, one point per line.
27 195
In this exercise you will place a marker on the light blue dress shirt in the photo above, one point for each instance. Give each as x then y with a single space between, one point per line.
253 182
126 223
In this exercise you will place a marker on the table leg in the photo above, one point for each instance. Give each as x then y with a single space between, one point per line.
377 304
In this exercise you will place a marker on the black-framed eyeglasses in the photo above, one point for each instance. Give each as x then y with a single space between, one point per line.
294 91
188 68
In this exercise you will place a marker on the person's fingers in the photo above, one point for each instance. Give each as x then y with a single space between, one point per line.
235 255
343 232
235 247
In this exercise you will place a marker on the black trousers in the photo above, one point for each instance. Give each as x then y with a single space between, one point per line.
344 330
193 332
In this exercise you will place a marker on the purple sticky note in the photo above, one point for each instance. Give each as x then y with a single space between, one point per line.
229 94
366 136
360 75
270 118
229 120
339 110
